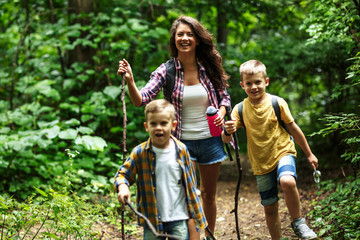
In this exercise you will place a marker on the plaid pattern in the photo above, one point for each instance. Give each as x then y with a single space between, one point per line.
158 78
141 163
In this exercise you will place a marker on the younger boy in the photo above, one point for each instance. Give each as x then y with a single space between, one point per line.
271 150
165 176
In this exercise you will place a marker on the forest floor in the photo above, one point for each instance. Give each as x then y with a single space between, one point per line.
250 211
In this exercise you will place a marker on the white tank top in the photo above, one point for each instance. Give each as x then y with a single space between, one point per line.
194 122
170 190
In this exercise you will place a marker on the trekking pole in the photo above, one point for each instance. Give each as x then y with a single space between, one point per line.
211 234
238 163
148 223
124 147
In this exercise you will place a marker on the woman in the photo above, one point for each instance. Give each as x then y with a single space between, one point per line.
200 81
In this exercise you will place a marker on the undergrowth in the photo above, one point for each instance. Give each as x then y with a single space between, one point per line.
338 215
57 216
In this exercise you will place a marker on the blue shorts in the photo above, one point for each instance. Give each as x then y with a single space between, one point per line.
175 228
206 151
267 184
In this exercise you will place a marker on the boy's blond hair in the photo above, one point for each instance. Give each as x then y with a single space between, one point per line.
159 105
252 67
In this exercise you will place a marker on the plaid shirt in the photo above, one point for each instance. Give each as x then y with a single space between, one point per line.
142 162
158 78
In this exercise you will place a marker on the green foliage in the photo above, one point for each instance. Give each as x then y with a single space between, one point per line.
51 99
333 20
54 215
338 215
348 125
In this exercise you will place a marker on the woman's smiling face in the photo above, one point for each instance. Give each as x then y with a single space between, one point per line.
185 39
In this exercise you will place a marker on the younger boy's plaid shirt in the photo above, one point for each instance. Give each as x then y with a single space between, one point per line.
141 164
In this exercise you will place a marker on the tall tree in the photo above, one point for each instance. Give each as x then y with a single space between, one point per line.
77 13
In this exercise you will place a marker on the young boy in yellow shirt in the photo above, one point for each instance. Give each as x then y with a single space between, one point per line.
271 150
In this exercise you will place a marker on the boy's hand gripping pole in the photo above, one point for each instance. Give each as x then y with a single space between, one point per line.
237 191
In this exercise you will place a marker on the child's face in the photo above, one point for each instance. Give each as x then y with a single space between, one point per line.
159 125
254 86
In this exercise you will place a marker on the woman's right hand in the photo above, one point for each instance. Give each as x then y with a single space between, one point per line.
125 70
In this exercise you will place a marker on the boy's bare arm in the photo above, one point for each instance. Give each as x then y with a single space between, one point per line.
300 139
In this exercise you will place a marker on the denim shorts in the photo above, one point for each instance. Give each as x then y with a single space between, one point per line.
206 151
177 228
267 184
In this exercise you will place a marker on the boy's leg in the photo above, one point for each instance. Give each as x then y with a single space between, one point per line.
287 178
148 235
273 220
291 196
208 179
267 186
178 228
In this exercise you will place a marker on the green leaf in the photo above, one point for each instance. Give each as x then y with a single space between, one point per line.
73 122
51 235
85 130
137 26
51 133
92 143
112 91
69 134
41 192
5 130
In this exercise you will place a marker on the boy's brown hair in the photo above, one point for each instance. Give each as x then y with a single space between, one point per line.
252 67
159 105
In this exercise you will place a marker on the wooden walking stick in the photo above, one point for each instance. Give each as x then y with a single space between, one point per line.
124 147
237 191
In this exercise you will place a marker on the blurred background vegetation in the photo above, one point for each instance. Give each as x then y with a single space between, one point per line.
59 89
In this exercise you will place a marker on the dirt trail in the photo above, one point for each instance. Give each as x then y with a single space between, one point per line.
251 215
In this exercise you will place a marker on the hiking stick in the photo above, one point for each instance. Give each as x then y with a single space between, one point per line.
211 234
238 164
151 227
124 147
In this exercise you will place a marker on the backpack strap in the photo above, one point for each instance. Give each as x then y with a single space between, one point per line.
276 107
168 87
275 104
240 111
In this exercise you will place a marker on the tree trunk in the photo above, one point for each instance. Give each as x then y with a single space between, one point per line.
80 53
222 30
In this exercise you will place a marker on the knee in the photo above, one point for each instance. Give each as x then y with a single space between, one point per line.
288 183
207 196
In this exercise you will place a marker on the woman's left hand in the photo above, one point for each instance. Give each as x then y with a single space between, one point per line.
219 121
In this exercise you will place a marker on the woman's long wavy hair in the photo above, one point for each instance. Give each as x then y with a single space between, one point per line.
206 51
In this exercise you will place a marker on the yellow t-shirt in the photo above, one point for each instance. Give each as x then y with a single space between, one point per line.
267 141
